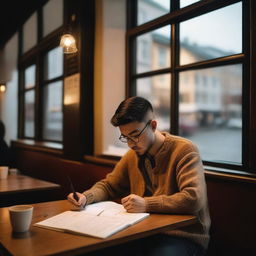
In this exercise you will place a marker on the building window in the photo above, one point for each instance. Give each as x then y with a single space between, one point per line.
152 50
211 88
162 56
157 90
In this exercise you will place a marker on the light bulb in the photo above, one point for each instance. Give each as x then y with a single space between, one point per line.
2 87
68 43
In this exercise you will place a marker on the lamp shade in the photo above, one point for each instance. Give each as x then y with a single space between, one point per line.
68 43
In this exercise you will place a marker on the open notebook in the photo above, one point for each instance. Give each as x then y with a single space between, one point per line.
100 220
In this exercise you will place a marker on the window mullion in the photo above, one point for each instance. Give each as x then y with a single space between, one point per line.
39 98
250 6
174 97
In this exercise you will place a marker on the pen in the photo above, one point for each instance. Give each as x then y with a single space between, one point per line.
73 190
100 213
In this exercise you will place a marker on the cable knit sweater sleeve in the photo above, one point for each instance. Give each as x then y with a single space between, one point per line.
186 168
115 185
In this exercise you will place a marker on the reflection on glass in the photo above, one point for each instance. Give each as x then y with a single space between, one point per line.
30 76
153 50
212 35
54 63
210 111
184 3
157 90
149 10
29 123
52 122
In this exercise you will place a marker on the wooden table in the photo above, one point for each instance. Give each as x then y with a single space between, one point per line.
17 189
39 241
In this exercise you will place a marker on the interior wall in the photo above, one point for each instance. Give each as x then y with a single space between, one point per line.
9 99
109 72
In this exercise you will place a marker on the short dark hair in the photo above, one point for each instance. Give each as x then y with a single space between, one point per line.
131 110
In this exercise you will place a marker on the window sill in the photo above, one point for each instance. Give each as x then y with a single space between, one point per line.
225 174
47 147
210 172
102 160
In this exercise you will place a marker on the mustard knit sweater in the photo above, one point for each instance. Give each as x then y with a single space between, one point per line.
178 185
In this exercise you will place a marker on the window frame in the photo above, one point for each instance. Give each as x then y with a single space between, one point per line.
36 55
173 18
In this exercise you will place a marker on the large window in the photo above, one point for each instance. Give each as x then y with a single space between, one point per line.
189 61
41 75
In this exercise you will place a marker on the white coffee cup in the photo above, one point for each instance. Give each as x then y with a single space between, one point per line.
20 217
4 172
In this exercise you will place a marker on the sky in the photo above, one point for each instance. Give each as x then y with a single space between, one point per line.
183 3
221 28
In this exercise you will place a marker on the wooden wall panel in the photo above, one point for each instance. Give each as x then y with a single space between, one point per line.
56 169
232 207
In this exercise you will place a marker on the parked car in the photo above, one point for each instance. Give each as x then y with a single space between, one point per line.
235 123
187 127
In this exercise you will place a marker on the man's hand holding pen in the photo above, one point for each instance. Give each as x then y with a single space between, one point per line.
77 199
79 203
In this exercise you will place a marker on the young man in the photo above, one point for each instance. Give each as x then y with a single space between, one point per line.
161 173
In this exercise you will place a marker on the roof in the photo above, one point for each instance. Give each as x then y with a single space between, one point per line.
202 52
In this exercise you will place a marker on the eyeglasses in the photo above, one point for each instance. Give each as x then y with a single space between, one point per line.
134 139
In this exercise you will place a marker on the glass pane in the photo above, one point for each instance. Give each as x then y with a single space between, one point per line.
52 123
30 33
184 3
29 129
149 10
52 16
54 63
153 50
210 111
157 90
30 76
212 35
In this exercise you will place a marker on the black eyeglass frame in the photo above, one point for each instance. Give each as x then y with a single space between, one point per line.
134 139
